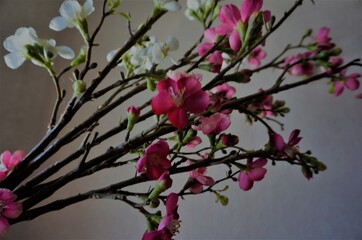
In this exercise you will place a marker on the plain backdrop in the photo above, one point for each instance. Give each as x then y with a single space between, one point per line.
283 206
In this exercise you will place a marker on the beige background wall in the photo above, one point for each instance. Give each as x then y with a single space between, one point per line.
283 206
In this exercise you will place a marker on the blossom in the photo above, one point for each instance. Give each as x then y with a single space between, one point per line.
73 15
265 106
169 224
199 179
10 161
323 40
224 90
178 94
229 140
351 82
234 20
288 149
198 9
170 5
154 162
255 57
164 182
25 44
299 66
215 124
9 209
254 172
133 114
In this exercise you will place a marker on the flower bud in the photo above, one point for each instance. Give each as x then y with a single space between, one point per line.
79 87
133 115
239 77
163 183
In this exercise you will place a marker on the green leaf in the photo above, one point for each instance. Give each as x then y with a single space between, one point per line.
127 16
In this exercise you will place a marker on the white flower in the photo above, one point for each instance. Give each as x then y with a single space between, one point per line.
141 58
170 5
72 15
197 8
25 44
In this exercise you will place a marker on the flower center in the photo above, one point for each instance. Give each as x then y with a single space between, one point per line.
173 226
178 98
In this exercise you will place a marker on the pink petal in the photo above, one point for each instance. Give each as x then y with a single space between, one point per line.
6 195
4 225
6 158
12 210
3 175
253 62
352 82
248 7
140 165
171 203
197 102
229 14
190 85
245 183
204 48
257 174
277 141
161 103
196 188
194 142
210 34
15 159
224 29
338 88
267 15
260 162
178 118
205 180
293 137
154 173
160 148
234 41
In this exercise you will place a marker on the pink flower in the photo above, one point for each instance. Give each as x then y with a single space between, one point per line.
9 209
177 95
194 141
254 172
9 161
304 68
214 124
169 224
215 60
164 182
265 106
351 82
199 179
255 57
133 115
154 163
323 40
233 20
288 149
224 90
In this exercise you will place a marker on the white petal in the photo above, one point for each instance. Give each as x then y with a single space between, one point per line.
59 23
193 4
14 60
111 55
65 52
88 7
12 44
69 9
51 42
172 6
172 43
157 54
36 63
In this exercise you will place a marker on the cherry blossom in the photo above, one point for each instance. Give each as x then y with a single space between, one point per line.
199 179
9 161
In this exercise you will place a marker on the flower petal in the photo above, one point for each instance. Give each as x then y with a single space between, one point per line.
172 6
14 60
197 102
257 174
69 9
88 7
178 118
229 14
161 103
245 183
235 41
277 141
59 23
12 210
4 225
65 52
172 43
6 195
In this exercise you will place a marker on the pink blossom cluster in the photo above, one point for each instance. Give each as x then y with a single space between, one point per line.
235 27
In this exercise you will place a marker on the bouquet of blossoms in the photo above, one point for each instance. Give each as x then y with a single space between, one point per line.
193 101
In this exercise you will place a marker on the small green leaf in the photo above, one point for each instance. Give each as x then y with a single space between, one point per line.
127 16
